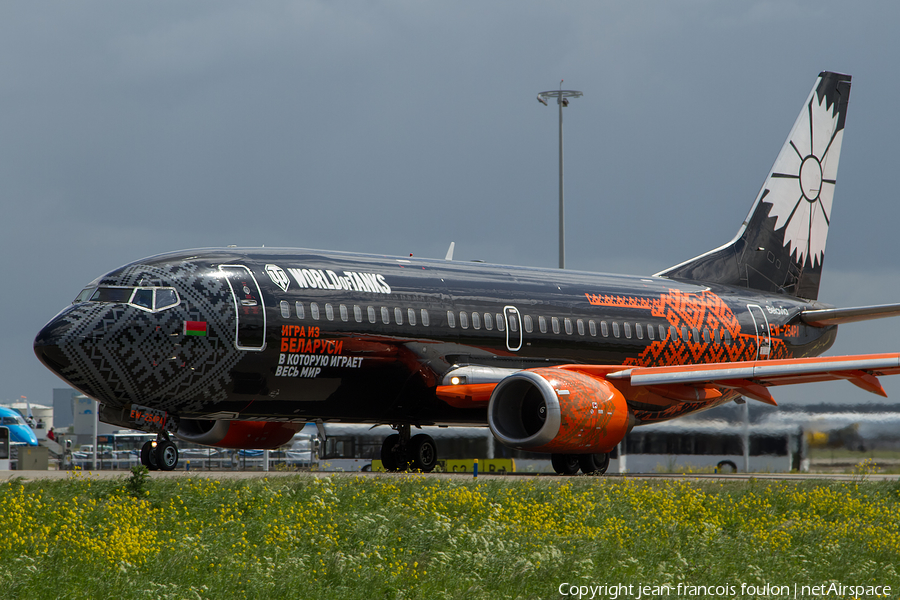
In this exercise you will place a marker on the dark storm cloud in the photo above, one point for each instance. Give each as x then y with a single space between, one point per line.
130 129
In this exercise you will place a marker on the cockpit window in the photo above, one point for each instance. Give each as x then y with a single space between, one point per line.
110 294
165 297
146 298
143 297
84 296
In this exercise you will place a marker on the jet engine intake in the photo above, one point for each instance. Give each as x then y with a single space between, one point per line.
559 411
245 435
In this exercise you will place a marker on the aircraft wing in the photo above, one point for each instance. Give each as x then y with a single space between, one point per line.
693 383
751 378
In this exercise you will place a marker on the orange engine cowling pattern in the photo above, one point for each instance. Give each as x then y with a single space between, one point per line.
244 435
554 410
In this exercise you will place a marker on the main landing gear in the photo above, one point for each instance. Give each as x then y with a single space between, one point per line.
589 464
399 452
160 454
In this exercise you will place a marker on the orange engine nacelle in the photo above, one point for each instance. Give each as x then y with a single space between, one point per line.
554 410
245 435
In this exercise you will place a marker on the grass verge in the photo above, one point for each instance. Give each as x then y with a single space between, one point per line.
423 537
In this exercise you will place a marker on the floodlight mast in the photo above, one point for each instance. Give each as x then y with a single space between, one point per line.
562 99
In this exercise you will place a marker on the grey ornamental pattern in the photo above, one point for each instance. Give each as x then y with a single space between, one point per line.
146 359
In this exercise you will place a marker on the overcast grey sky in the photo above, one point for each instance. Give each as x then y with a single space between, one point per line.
130 129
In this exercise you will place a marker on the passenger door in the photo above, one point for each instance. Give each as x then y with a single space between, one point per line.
250 310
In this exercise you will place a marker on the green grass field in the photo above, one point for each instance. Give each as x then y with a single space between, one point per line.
416 536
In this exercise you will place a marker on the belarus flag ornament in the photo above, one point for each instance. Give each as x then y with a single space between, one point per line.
195 328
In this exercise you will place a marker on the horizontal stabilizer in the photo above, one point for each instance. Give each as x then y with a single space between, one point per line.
839 316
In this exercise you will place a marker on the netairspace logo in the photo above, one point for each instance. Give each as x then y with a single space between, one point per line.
639 592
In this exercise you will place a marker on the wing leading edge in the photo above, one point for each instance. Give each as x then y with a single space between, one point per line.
751 378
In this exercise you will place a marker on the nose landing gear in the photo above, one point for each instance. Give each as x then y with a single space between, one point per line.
160 454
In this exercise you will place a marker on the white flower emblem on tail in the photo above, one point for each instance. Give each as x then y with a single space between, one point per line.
801 186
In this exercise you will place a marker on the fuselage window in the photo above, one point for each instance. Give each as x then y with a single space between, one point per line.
451 319
529 323
411 316
627 326
489 321
695 333
554 322
398 316
542 323
345 314
357 313
425 319
673 332
615 329
385 315
684 334
329 312
727 338
501 322
463 319
285 309
314 311
706 337
371 312
580 325
662 332
568 323
651 332
476 320
592 327
298 306
514 325
604 329
718 338
639 331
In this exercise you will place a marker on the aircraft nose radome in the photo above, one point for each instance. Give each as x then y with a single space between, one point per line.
47 346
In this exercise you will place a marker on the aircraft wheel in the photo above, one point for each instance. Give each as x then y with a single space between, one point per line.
565 464
389 457
594 464
726 466
166 455
148 456
422 453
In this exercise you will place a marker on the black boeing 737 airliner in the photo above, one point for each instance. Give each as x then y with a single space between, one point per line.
240 347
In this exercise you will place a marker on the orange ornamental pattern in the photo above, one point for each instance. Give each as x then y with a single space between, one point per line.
693 311
594 413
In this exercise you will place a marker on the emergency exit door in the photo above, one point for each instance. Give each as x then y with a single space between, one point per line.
763 337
